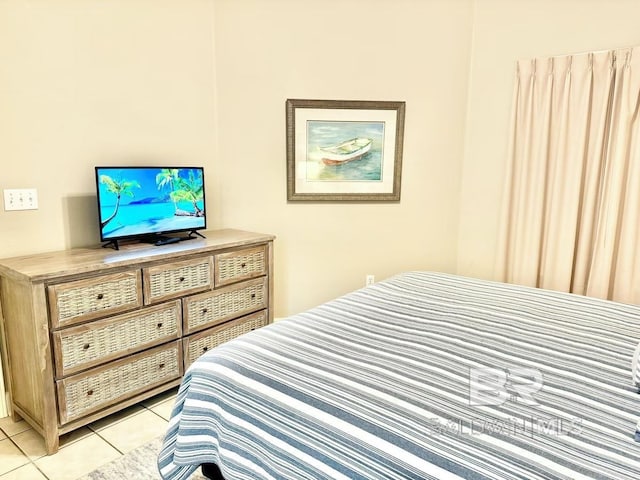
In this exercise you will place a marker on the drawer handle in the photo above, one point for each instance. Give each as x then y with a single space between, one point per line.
243 265
205 310
181 279
89 393
204 349
253 296
86 346
159 325
100 296
161 366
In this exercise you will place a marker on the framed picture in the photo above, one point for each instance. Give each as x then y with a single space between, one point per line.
344 150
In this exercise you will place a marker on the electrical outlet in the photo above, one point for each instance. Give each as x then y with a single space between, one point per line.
369 280
20 199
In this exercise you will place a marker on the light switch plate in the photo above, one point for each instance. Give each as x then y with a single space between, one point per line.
20 199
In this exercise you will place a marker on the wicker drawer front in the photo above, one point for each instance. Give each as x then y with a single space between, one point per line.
175 279
81 300
211 308
101 387
240 265
84 346
199 343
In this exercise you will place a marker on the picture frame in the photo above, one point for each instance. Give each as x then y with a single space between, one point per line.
344 150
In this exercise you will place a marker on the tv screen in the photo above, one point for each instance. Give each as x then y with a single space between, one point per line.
149 201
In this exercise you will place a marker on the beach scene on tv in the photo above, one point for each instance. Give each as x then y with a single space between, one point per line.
138 201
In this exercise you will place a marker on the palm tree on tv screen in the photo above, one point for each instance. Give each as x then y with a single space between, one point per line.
168 176
189 190
118 188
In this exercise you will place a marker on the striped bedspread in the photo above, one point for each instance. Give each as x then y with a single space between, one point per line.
421 376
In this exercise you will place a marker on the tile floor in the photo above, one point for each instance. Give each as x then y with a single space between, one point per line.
22 452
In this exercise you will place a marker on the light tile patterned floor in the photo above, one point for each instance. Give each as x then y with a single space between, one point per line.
22 452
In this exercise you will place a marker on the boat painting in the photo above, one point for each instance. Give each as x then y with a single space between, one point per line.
364 166
346 151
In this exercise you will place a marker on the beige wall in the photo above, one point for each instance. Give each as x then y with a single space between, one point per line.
88 82
416 51
503 32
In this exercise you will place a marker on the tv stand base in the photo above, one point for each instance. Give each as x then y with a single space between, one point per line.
156 239
113 243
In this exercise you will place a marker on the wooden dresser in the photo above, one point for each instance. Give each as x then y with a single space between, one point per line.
90 331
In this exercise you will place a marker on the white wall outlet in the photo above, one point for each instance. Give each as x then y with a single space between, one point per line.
369 280
20 199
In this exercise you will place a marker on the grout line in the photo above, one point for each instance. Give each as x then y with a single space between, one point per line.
31 461
38 468
120 420
158 415
110 444
90 428
23 454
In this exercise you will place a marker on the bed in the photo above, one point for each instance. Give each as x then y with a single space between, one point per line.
422 376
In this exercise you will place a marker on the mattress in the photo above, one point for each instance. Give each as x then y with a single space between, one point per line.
422 376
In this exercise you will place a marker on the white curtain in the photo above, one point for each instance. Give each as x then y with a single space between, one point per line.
571 216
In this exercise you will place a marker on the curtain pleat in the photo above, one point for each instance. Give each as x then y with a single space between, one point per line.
626 178
570 218
602 74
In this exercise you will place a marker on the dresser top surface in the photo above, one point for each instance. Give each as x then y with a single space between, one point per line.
48 265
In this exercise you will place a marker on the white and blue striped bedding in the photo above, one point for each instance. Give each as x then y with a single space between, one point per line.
375 385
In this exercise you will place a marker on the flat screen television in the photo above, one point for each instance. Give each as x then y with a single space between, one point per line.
148 203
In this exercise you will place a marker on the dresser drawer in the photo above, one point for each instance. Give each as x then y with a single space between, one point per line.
240 265
211 308
197 344
176 279
104 386
84 346
81 300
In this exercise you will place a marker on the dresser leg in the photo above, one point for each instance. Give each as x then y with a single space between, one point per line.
15 416
52 443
